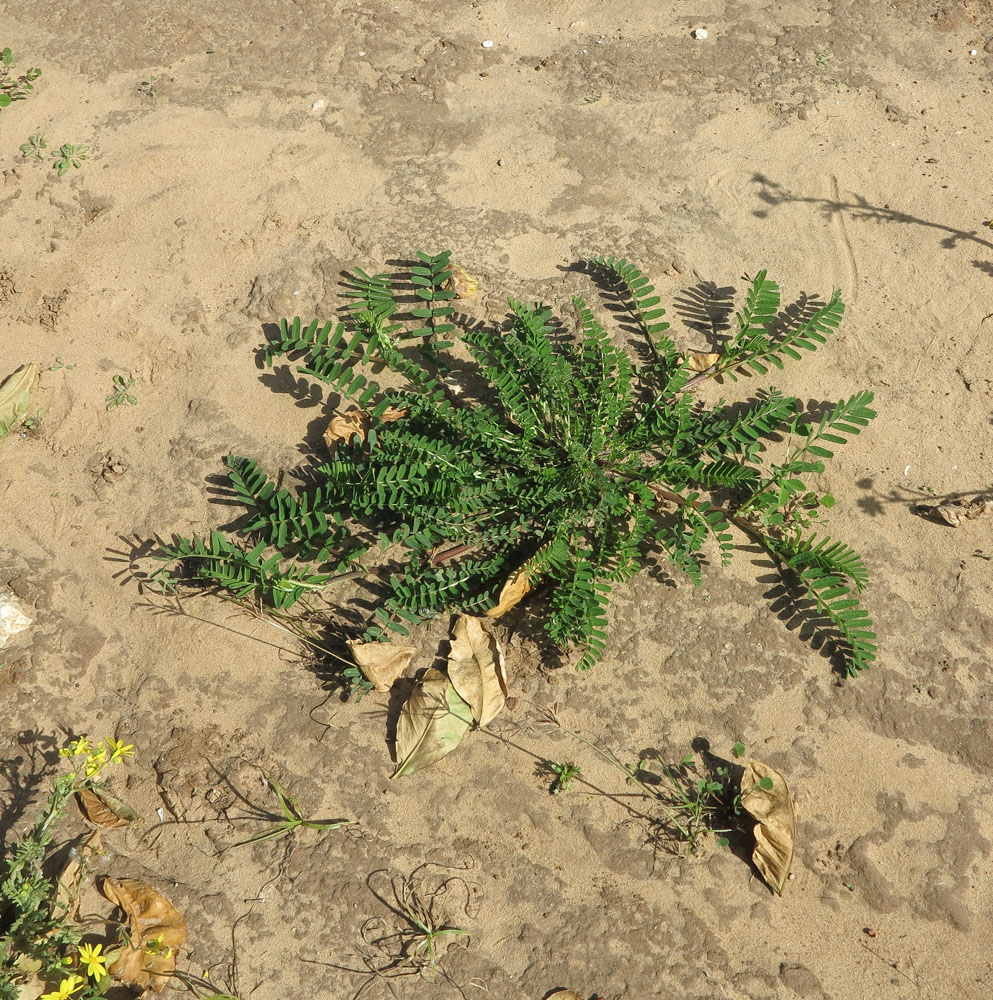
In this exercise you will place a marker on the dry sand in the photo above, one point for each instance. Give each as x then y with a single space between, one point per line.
836 144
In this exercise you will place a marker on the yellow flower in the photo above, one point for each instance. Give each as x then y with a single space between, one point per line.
66 989
119 751
77 747
95 762
89 955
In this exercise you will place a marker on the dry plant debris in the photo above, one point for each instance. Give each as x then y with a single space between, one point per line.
381 663
15 397
156 929
775 829
476 669
957 512
105 810
511 593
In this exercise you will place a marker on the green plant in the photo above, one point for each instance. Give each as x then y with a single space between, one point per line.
14 88
34 148
293 819
574 465
33 423
37 934
68 156
119 394
147 87
60 365
564 773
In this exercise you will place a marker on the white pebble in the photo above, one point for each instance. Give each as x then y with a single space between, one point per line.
700 33
973 52
906 471
487 44
317 105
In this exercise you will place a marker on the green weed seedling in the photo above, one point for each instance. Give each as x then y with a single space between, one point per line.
14 88
68 156
544 458
564 773
120 394
293 819
59 365
34 148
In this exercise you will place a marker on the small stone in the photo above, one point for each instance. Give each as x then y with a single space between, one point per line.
500 163
973 52
700 33
487 44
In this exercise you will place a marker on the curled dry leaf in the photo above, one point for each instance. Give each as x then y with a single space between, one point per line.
431 725
345 426
461 282
393 413
15 396
381 662
564 995
511 593
12 616
775 831
700 361
476 669
957 512
156 929
104 810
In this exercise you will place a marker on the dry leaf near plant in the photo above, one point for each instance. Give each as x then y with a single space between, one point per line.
461 282
431 725
511 593
700 361
15 397
381 662
346 426
105 810
957 512
476 669
156 929
775 829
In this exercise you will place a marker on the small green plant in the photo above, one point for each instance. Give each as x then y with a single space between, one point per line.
120 393
824 56
37 934
68 156
59 365
14 88
34 422
564 773
147 87
34 148
572 465
293 819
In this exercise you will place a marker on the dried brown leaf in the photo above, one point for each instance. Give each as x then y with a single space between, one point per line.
345 426
104 810
393 413
511 593
15 397
775 831
381 662
461 282
957 512
431 725
700 361
476 669
156 929
564 995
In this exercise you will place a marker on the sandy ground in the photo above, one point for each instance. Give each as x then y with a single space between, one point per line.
836 143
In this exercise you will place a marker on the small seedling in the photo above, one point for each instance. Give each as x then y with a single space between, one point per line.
564 773
34 148
357 683
293 819
69 156
14 88
120 395
824 57
592 98
980 554
33 423
147 87
60 365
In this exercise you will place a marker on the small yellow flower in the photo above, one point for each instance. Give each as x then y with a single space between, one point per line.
118 750
89 955
95 762
66 989
76 748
